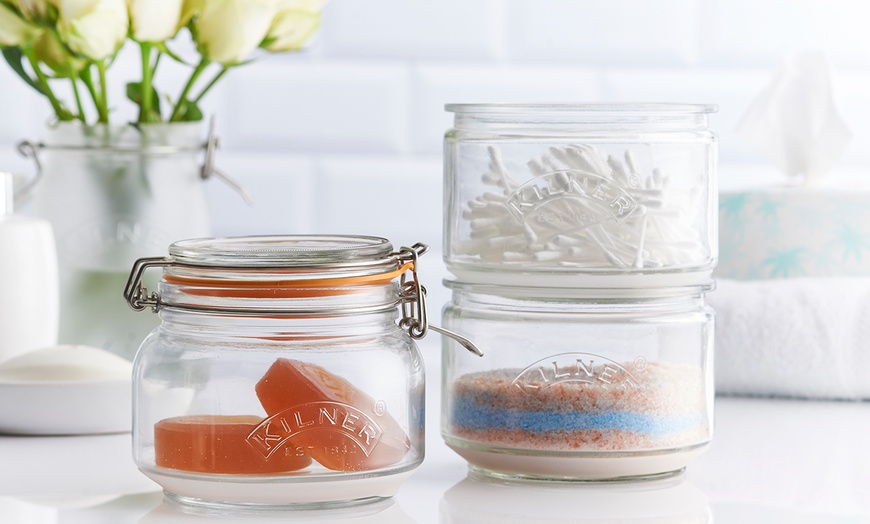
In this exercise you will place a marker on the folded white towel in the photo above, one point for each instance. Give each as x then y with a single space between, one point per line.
796 337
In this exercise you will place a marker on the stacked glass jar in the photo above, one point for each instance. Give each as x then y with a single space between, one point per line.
582 239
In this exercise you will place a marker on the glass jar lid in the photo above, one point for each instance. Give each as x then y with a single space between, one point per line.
599 117
275 266
584 109
284 251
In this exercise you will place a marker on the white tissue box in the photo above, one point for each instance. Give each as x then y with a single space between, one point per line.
794 232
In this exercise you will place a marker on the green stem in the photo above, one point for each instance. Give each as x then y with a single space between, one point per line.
145 110
88 80
103 106
210 84
59 110
75 85
176 113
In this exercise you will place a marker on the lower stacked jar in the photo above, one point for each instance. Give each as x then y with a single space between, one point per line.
578 384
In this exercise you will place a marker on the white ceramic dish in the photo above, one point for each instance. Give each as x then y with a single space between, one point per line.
65 390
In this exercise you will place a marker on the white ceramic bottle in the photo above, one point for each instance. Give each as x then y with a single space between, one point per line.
28 280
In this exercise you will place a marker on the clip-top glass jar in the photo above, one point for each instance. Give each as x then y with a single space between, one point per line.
606 195
579 384
279 376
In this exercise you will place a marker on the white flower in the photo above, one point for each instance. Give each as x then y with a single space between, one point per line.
93 28
13 30
155 20
226 31
295 22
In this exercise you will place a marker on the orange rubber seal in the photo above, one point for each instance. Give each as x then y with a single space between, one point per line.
312 288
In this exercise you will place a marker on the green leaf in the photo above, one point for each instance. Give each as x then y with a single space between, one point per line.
14 57
134 93
189 112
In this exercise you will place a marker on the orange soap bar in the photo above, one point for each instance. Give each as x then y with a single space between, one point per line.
218 444
326 417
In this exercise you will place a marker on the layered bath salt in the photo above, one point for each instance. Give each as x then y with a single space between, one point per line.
577 207
586 407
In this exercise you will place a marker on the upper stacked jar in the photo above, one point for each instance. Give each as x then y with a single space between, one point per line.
608 196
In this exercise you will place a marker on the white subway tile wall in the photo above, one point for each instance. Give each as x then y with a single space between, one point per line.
346 136
633 32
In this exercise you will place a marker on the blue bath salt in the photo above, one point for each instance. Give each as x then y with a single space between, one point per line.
472 415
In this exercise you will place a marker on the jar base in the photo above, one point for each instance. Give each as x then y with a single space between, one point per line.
268 496
519 465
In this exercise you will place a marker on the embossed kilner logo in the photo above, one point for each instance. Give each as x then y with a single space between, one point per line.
346 420
577 367
567 201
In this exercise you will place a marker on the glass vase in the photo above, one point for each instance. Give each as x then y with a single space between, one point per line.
115 194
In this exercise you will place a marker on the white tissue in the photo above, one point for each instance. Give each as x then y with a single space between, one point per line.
795 337
794 121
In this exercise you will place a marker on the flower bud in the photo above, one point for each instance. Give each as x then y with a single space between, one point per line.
93 28
155 21
227 31
295 23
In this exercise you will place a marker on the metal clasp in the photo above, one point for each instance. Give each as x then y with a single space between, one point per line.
412 294
413 298
209 169
29 149
135 293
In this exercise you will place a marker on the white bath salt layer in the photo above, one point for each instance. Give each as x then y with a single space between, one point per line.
583 209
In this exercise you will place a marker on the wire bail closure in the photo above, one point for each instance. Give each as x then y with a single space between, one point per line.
135 293
412 295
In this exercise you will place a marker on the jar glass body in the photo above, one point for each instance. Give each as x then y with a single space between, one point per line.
114 194
580 195
281 375
202 378
576 385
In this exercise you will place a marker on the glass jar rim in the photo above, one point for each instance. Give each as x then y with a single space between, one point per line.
283 266
593 117
269 273
617 109
286 251
152 138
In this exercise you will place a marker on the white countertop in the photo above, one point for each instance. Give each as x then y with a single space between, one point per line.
771 461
